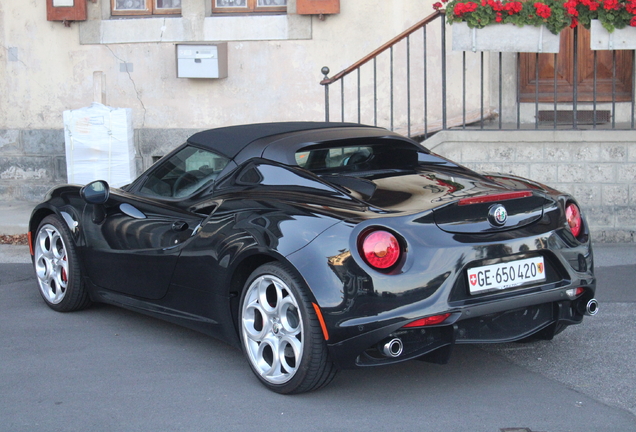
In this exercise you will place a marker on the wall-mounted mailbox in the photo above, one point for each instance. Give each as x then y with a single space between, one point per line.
202 61
317 7
66 10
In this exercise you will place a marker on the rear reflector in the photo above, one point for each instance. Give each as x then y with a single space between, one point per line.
492 198
321 320
575 292
432 320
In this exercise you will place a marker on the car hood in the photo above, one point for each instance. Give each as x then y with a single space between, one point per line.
445 193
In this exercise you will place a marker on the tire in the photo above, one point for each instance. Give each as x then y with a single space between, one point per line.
276 316
57 267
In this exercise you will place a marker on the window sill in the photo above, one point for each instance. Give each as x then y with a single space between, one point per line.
208 29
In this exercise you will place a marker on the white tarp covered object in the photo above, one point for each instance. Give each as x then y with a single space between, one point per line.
99 145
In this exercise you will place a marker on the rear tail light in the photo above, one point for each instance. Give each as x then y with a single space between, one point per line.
428 321
380 249
573 217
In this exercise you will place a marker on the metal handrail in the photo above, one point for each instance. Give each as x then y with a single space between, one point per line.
386 46
473 112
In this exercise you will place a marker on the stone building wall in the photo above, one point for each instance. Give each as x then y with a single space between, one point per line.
597 167
31 162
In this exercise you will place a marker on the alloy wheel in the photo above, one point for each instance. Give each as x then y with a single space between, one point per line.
51 263
272 329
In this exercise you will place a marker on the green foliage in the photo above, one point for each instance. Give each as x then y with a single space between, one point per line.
487 12
555 15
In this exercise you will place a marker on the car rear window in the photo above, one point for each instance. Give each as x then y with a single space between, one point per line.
333 157
360 158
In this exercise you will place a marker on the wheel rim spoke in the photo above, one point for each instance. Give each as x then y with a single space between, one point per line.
289 353
268 358
272 329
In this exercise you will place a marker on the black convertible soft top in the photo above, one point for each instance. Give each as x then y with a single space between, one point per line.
230 140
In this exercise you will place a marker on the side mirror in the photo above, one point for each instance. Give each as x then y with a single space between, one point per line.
96 192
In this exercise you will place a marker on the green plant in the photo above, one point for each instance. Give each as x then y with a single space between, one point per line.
550 13
555 15
613 14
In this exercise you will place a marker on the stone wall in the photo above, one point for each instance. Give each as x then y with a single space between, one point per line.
33 161
597 167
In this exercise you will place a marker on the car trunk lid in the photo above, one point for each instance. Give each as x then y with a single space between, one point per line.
461 201
490 211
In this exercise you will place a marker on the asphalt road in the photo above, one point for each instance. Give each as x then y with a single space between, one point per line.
108 369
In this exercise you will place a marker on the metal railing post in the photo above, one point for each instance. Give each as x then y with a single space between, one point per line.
463 89
424 72
614 89
325 72
444 125
594 91
391 88
500 90
408 84
359 104
556 63
575 87
633 87
536 91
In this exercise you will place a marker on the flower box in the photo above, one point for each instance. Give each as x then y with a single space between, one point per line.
619 39
504 38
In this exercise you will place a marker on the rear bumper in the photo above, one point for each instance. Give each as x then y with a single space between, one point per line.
541 314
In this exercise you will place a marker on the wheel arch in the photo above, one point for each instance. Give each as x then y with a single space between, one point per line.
37 217
41 212
242 271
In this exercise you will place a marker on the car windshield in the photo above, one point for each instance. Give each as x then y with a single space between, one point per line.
184 173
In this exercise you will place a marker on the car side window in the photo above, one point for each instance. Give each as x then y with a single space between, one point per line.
184 173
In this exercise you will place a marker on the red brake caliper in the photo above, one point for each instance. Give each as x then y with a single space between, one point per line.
64 277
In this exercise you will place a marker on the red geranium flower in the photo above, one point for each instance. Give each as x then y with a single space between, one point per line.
513 7
543 10
611 5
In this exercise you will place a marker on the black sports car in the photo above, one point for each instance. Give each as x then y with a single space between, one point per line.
320 246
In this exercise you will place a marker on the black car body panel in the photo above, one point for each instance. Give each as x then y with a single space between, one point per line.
186 259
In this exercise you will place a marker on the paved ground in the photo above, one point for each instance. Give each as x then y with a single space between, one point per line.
108 369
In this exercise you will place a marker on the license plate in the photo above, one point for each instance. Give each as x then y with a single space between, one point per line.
505 275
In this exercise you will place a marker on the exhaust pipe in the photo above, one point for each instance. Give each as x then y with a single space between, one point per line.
393 348
591 308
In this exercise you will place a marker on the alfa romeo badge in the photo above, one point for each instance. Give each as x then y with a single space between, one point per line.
497 215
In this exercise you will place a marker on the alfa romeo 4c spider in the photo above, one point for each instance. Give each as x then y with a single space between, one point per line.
316 247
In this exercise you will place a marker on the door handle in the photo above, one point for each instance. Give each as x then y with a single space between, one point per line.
179 226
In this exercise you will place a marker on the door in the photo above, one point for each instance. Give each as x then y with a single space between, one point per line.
134 240
135 248
565 72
